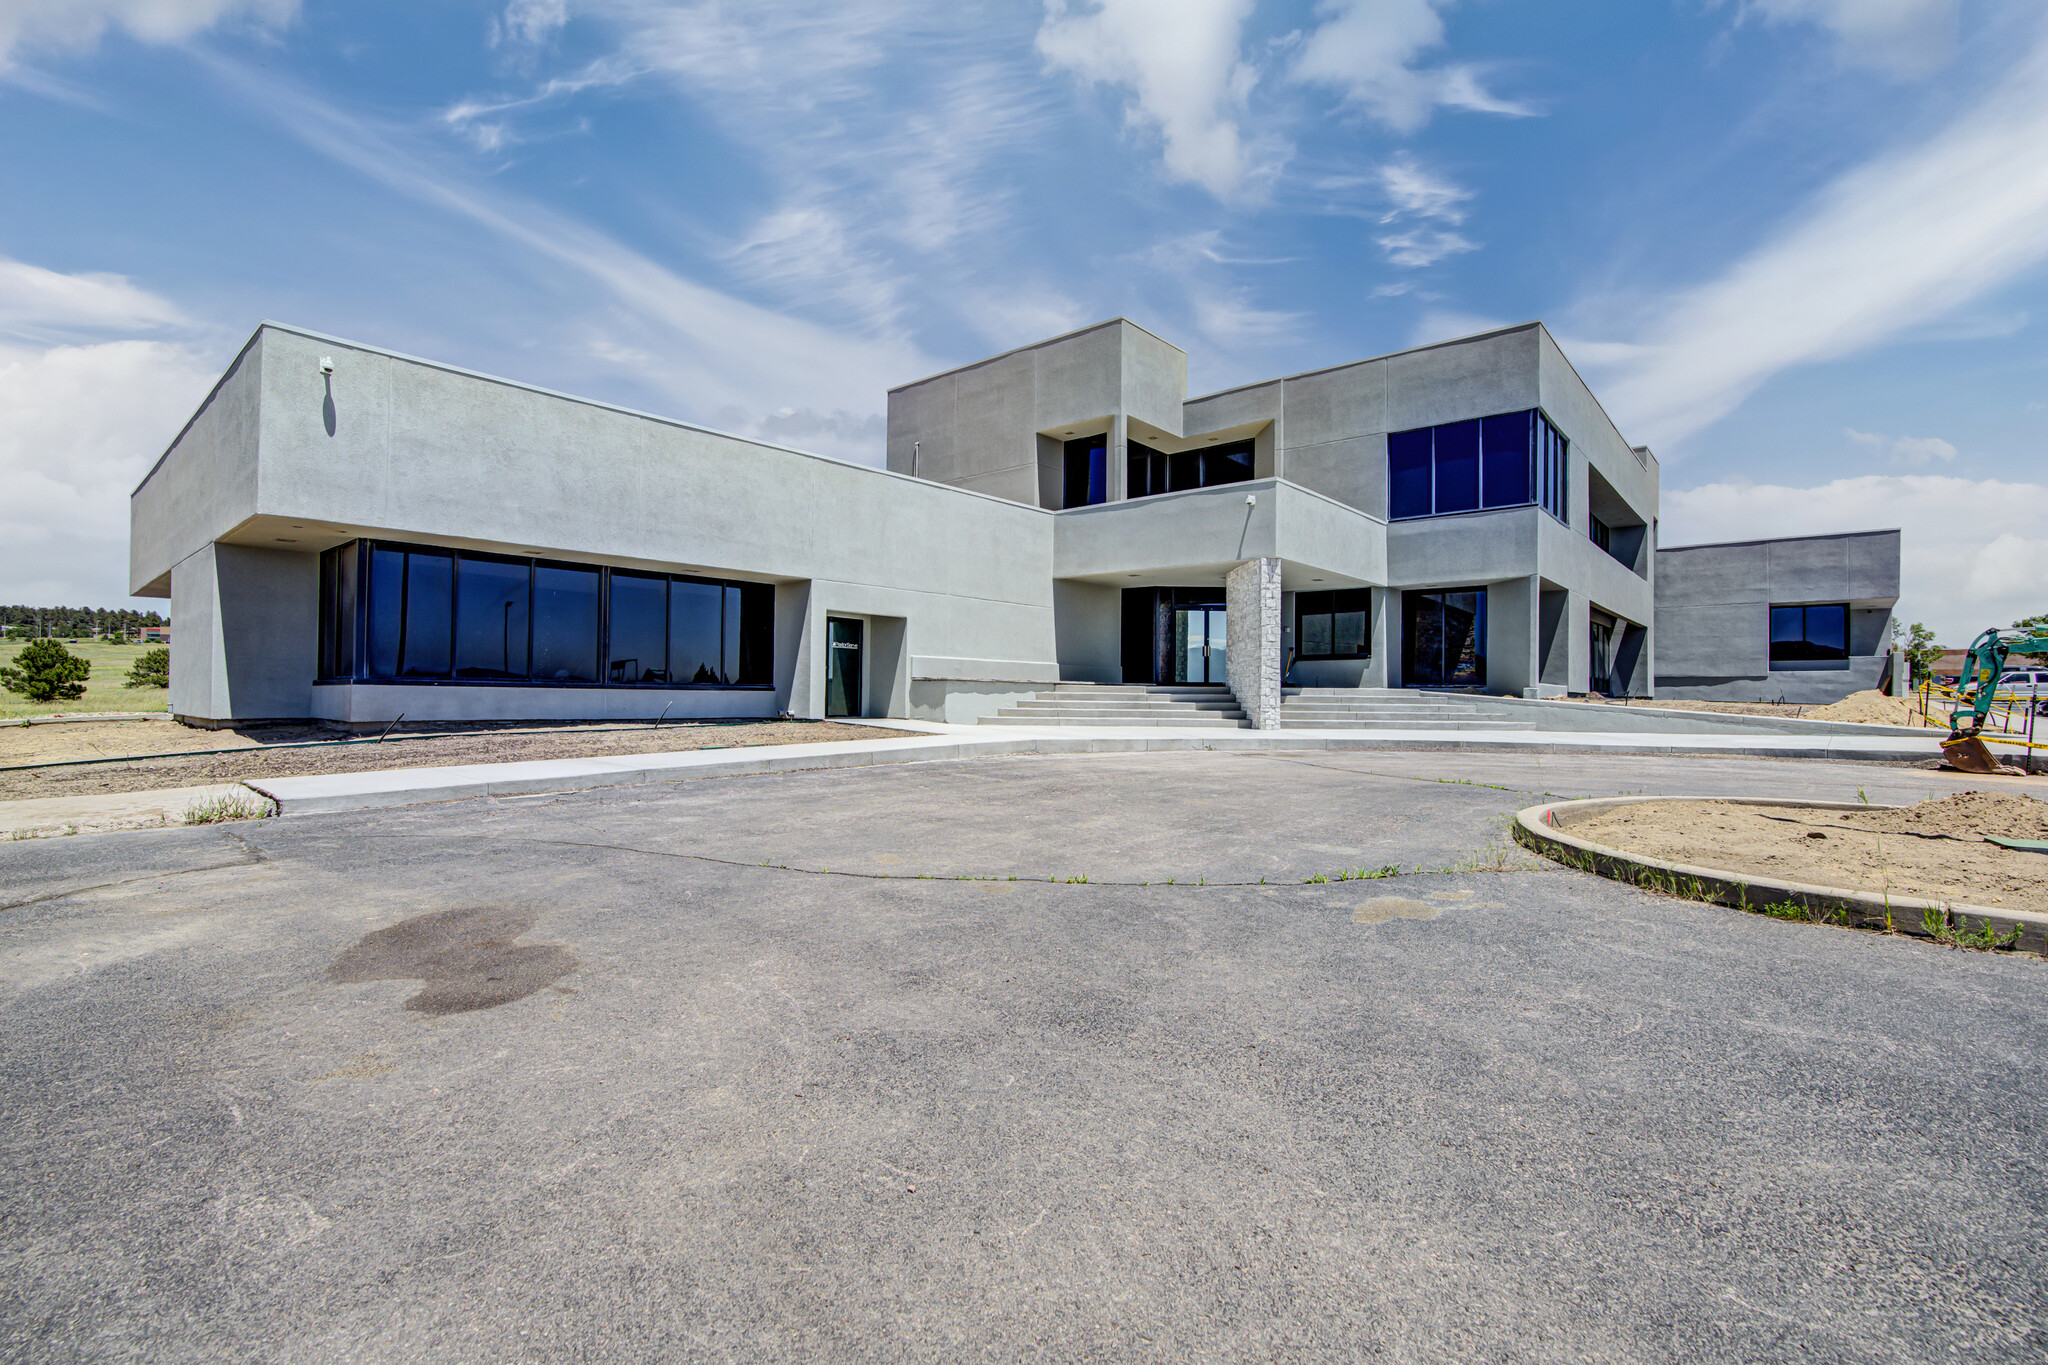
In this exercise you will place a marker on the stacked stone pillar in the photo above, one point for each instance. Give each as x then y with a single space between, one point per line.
1251 597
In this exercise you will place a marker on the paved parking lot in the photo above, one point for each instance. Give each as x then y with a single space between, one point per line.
733 1070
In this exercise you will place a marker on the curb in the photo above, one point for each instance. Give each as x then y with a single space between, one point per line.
1542 829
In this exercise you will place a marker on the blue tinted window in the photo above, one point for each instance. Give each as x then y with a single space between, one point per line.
730 653
695 650
564 624
1810 635
1505 444
1408 474
429 620
490 618
387 596
1457 467
1087 472
639 633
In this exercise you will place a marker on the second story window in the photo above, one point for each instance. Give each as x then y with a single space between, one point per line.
1509 460
1087 480
1154 471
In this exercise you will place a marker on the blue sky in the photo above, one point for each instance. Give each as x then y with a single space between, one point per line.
1797 246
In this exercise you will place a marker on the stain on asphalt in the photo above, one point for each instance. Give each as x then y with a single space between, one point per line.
467 958
1380 909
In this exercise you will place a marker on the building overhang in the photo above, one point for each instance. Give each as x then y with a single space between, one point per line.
1196 537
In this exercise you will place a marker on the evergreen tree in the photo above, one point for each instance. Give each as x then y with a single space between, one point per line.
46 671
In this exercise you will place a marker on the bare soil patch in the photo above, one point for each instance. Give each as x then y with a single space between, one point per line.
258 752
1935 849
1869 708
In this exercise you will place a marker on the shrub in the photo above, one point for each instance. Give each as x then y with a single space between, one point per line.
46 671
153 669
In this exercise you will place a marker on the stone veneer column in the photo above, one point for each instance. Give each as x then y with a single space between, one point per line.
1251 597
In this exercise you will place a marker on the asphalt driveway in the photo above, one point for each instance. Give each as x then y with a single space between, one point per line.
735 1069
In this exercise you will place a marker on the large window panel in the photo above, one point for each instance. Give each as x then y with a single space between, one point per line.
386 610
339 575
1408 474
1810 635
639 628
565 622
729 672
491 610
1504 443
1332 625
1457 467
696 649
429 615
757 634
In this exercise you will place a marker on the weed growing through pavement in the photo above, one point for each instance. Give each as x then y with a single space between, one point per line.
221 809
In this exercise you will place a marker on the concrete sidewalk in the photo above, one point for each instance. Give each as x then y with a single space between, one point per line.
162 808
923 742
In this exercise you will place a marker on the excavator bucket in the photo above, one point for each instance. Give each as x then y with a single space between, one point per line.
1970 755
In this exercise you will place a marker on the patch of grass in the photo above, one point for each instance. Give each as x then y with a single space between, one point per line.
105 690
222 809
1955 931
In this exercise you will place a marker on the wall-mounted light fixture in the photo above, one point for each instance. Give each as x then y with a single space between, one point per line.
327 364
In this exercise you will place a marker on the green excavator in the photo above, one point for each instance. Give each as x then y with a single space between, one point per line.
1977 688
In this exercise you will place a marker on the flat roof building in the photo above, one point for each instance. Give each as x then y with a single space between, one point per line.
350 534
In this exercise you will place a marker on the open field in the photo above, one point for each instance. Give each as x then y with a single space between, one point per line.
258 752
105 689
735 1070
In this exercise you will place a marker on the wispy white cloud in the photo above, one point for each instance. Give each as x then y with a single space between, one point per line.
1188 81
1906 37
1901 241
710 351
1415 192
75 25
84 409
530 21
1971 550
39 305
1367 50
874 127
1906 450
1420 247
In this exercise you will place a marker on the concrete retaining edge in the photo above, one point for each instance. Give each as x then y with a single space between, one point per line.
1543 830
411 786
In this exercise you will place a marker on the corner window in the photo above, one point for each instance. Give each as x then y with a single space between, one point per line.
1810 636
1154 471
429 615
1333 625
1509 460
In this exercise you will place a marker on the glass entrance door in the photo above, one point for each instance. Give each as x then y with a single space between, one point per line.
1444 638
842 667
1199 645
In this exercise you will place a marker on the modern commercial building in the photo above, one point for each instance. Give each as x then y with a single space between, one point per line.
351 534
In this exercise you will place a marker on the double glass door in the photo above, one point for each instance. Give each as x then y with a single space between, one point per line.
1199 645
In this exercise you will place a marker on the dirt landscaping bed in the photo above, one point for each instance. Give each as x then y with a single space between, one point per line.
259 751
1867 708
1935 849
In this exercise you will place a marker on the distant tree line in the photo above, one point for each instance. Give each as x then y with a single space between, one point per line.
71 623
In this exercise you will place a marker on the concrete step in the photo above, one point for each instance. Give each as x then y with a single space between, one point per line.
1108 715
1204 722
1324 723
1134 707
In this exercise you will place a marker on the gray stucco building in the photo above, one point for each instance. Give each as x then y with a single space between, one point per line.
351 534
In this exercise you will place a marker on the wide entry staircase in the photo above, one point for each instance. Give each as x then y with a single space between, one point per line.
1126 704
1301 708
1391 708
